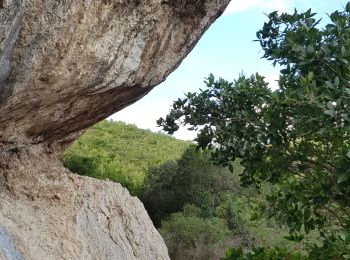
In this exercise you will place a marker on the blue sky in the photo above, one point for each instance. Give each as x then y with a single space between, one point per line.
226 50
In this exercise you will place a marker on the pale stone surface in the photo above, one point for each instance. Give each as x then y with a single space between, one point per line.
65 65
51 213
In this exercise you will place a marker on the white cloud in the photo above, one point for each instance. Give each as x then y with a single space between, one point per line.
237 6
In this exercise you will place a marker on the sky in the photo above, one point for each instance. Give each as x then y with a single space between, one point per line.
226 50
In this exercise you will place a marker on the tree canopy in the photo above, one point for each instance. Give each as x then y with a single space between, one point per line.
192 179
296 137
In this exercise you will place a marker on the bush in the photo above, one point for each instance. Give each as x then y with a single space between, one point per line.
191 179
260 253
188 236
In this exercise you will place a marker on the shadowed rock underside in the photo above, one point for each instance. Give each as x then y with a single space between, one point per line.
65 65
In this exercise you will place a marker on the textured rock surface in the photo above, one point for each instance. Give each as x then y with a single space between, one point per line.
72 217
74 63
64 65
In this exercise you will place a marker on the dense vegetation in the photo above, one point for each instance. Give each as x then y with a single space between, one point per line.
297 138
192 179
121 153
199 208
288 148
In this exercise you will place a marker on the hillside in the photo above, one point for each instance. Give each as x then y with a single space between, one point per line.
121 153
187 197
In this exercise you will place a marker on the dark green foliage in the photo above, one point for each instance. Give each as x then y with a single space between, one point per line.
121 153
296 137
334 247
260 253
189 236
82 165
232 217
184 196
157 193
191 179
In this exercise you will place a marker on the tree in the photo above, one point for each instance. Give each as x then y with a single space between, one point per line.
296 137
191 179
190 236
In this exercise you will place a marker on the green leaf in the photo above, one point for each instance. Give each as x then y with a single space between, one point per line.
348 154
329 112
330 105
343 235
336 81
345 61
347 7
329 84
342 177
342 50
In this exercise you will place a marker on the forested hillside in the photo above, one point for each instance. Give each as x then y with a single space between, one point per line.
199 208
121 153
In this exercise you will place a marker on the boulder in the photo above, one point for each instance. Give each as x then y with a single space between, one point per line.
65 65
54 214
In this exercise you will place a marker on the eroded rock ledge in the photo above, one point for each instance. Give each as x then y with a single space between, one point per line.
65 65
74 63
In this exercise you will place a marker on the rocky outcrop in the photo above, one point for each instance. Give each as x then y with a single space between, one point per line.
74 63
54 214
64 65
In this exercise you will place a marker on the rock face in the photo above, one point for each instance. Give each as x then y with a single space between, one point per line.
65 65
54 214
